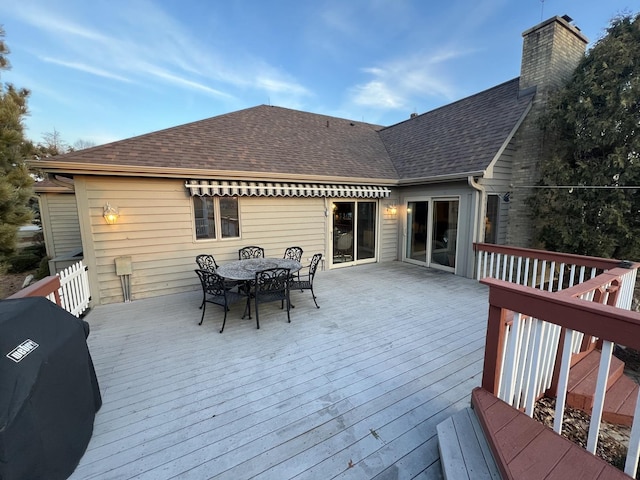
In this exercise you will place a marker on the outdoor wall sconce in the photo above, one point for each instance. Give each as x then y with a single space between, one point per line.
392 209
110 214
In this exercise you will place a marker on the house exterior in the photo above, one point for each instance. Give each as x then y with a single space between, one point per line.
421 191
60 222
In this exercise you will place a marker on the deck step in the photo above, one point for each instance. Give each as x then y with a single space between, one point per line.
620 402
525 449
464 452
622 392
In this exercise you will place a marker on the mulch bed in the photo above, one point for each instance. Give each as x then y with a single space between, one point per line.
613 439
11 283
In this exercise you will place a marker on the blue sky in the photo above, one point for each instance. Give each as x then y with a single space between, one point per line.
105 70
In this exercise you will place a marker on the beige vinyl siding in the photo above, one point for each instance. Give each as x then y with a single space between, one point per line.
277 222
59 216
390 228
156 228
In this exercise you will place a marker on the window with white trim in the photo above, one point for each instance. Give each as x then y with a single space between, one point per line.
491 219
216 217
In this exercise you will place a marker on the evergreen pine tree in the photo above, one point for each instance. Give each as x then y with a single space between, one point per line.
15 181
592 136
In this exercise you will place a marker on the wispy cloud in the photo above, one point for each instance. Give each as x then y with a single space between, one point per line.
378 94
396 84
177 80
86 68
140 43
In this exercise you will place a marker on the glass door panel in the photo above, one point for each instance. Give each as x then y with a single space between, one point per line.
343 213
366 230
354 231
444 232
417 218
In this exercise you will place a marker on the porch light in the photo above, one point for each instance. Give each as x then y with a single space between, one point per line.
110 214
392 209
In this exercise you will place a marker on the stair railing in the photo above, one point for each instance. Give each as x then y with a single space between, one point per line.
529 342
537 321
551 271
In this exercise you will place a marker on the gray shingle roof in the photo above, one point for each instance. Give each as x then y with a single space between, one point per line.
262 139
460 137
455 139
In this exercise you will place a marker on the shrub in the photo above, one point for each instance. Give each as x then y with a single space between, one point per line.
36 249
23 261
43 269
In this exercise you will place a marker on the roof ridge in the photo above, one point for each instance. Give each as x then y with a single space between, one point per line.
452 104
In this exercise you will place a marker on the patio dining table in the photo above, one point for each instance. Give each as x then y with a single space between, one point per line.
246 269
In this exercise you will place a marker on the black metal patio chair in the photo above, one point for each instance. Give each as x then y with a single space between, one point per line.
305 281
271 285
293 253
250 252
207 262
215 291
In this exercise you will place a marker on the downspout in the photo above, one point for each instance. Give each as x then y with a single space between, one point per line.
327 231
480 209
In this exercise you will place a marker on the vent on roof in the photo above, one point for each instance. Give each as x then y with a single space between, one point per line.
413 115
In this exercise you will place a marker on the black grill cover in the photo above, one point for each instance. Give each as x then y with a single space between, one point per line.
49 397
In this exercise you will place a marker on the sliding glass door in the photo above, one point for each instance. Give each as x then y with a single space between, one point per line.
444 233
417 225
354 231
432 232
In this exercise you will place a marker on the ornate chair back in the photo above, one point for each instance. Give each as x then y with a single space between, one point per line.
212 284
215 290
305 282
293 253
313 266
271 285
206 262
250 252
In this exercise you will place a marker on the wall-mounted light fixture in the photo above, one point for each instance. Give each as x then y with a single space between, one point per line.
110 214
392 209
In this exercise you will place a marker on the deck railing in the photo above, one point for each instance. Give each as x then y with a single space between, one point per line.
526 337
69 289
533 332
540 269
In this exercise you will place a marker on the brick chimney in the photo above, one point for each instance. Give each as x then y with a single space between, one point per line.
551 52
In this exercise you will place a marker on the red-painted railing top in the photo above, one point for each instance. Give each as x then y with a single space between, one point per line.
42 288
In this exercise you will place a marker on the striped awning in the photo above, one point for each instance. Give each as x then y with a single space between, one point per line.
276 189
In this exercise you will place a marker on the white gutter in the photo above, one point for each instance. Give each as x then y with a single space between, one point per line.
440 178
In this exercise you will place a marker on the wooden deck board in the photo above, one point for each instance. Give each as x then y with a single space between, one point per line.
415 464
451 455
484 447
354 389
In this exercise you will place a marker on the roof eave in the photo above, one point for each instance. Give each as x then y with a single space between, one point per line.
57 167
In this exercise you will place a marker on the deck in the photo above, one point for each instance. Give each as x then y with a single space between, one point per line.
353 390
